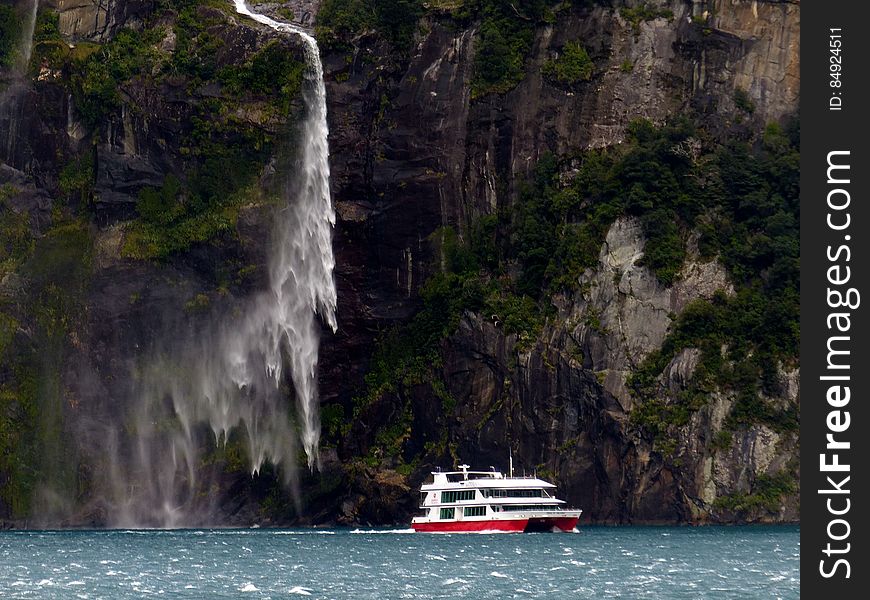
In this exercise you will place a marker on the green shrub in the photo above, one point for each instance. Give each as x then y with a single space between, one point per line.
571 67
722 440
339 21
10 30
47 26
767 494
16 240
743 102
499 62
272 72
644 12
96 79
502 44
77 177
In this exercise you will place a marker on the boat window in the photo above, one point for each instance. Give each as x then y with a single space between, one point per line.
508 507
457 495
533 493
447 513
475 511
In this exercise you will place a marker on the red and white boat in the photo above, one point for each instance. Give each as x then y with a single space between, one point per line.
466 501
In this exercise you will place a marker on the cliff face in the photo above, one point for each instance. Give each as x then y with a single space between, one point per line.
431 156
414 149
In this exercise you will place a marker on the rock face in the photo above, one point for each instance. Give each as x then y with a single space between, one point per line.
564 403
412 152
97 20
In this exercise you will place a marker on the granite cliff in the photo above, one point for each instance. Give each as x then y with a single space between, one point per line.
453 127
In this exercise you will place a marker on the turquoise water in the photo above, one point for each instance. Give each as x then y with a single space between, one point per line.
599 562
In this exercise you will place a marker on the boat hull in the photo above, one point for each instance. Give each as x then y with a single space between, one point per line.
565 524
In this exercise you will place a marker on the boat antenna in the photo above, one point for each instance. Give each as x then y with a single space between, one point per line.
511 461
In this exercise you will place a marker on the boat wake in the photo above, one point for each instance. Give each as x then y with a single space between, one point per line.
382 531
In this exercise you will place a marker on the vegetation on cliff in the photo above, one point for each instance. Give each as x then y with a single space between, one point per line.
742 196
183 45
33 449
752 226
235 103
503 40
339 22
10 26
572 66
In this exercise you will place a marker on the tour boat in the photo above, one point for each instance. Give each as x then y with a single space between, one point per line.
466 501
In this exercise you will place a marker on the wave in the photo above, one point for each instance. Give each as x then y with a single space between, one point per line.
382 531
299 590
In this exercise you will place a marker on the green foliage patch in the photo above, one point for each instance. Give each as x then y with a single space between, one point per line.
205 205
752 195
96 79
644 12
767 495
221 152
507 29
571 67
743 102
10 30
77 177
272 72
340 21
16 240
556 231
56 271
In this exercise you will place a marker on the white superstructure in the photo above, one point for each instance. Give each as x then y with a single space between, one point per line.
467 500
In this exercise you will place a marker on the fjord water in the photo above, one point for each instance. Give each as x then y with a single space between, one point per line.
598 562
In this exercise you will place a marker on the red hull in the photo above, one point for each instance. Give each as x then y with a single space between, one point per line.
566 524
512 526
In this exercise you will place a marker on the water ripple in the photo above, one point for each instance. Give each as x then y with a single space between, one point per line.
602 562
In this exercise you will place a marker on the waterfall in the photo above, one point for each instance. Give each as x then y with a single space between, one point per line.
27 36
229 375
301 264
13 109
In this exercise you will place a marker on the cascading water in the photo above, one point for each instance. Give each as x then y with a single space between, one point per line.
230 374
27 36
12 99
301 266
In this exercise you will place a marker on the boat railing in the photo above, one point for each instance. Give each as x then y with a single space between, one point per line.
484 474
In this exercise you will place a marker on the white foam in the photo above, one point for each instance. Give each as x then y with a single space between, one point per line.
299 590
382 531
302 532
